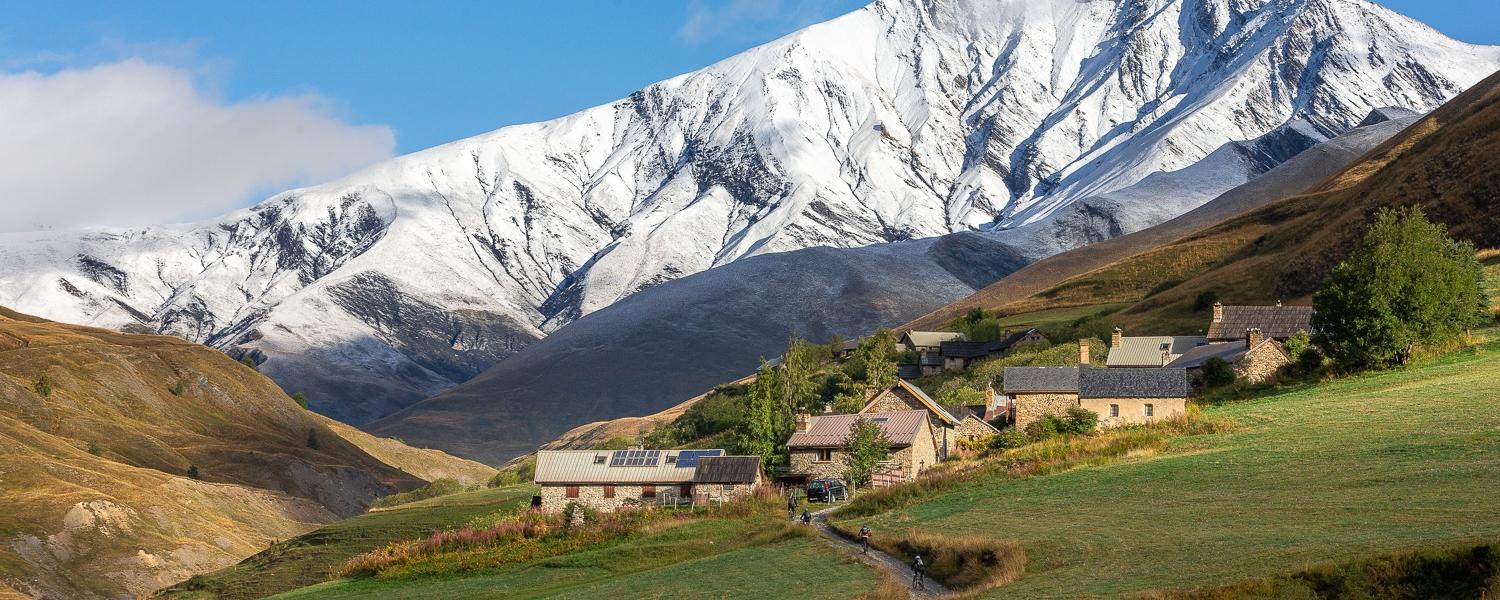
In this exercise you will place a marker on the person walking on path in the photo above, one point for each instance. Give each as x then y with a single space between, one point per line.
864 539
918 572
791 505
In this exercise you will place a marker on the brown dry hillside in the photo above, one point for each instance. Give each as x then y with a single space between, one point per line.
424 463
1448 163
98 430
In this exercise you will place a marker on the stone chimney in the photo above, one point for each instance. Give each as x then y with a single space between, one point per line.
804 422
1166 356
1253 337
1218 312
1278 304
1083 352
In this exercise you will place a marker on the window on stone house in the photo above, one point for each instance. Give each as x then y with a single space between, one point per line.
728 487
1114 410
1150 410
648 491
572 491
825 455
609 491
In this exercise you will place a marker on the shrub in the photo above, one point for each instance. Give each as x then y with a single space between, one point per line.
1079 421
249 362
312 438
192 472
1042 429
43 386
1217 373
301 399
1006 440
94 449
1309 361
438 487
178 388
865 448
519 473
1296 344
1205 300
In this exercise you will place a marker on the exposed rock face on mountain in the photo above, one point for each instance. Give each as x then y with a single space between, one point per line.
663 345
905 119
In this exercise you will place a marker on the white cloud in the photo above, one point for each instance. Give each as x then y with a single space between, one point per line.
136 142
733 17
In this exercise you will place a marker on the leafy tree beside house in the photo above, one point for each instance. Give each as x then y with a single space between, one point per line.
865 448
1217 373
1407 284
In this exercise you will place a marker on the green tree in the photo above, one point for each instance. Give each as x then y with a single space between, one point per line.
249 362
1217 373
178 388
192 472
865 448
761 434
312 438
1407 283
796 388
984 330
1296 344
94 449
301 399
43 386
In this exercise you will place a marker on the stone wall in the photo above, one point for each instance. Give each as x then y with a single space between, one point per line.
554 497
1030 407
805 462
1133 410
1261 362
971 428
897 399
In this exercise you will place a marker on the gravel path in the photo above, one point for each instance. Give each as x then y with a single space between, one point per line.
880 560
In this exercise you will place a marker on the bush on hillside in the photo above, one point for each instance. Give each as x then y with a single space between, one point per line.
178 388
1079 421
438 487
1296 344
1217 373
312 438
192 472
1042 429
1205 300
520 473
43 386
301 399
1309 362
1407 284
1006 440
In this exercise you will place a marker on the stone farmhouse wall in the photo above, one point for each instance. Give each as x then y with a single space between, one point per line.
1133 410
554 497
805 462
914 459
1261 363
1030 407
972 428
898 399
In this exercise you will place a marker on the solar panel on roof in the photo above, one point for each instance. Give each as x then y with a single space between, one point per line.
635 458
688 459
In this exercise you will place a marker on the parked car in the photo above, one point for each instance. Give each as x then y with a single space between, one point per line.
826 490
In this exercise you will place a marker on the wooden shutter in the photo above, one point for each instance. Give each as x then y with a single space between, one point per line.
572 491
609 491
648 491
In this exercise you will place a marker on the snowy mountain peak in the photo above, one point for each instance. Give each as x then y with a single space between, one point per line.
904 119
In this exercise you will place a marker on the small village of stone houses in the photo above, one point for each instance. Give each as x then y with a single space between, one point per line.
1143 380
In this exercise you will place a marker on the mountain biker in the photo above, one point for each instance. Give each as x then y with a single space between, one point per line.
918 571
806 517
864 539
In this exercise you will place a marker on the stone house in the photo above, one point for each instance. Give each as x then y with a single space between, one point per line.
608 480
818 447
1278 322
948 425
1117 396
1254 359
957 355
927 341
1149 351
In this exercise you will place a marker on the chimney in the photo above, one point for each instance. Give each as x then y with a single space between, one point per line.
1278 304
1083 352
1114 338
1166 356
804 422
1218 312
1253 337
991 406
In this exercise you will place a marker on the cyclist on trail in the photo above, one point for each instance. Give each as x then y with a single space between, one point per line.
791 505
864 539
806 517
918 571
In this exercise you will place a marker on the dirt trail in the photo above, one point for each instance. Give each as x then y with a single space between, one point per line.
880 560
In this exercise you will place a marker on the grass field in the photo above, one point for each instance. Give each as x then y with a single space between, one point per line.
712 558
1056 316
1368 465
308 559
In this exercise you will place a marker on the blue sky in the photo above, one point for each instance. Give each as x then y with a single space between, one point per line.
308 91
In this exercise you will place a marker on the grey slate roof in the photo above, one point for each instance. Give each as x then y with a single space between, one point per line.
963 349
932 360
1276 322
727 469
1145 351
929 338
1229 351
1132 383
1040 379
909 371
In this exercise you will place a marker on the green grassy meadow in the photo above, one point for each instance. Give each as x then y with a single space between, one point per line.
308 559
710 558
1331 473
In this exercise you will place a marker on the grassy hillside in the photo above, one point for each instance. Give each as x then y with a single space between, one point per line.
749 558
1448 163
1369 465
101 433
424 463
310 558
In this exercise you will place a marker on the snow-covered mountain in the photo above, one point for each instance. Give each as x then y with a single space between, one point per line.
905 119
